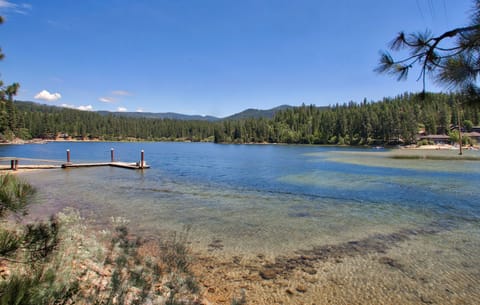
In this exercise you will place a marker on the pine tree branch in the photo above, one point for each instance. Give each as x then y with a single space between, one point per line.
426 51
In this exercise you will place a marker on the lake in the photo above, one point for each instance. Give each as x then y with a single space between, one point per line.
381 229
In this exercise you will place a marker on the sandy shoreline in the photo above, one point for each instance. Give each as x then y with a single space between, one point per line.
441 147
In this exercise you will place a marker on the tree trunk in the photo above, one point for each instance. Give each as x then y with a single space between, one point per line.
459 130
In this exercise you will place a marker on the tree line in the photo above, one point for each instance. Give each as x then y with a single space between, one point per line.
47 122
389 121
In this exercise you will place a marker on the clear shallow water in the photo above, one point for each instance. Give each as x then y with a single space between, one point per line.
260 189
277 200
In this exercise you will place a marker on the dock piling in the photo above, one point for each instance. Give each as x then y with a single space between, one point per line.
142 159
68 156
14 164
112 154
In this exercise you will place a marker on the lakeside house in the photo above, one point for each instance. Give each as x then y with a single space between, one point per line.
63 136
437 139
441 139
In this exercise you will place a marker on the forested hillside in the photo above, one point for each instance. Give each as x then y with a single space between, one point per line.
389 121
47 122
161 115
257 114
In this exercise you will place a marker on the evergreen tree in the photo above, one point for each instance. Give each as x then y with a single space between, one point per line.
8 112
451 57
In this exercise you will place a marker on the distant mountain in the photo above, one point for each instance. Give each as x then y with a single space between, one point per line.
162 115
249 113
257 113
246 114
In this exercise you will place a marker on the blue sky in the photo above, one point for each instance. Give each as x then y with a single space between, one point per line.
210 57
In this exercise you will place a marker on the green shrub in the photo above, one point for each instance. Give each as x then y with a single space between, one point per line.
59 262
15 194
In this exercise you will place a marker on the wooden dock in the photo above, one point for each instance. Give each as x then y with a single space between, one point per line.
14 163
128 165
29 166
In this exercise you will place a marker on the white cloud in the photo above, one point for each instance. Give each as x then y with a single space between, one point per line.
121 92
121 109
6 4
106 99
21 8
85 108
139 110
47 96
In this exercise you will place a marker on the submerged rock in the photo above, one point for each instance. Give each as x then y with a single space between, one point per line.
390 262
309 270
301 289
268 274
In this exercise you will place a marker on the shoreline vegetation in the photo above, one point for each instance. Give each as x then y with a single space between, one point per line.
64 260
18 141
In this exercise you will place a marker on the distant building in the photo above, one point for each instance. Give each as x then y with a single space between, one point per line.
436 139
62 136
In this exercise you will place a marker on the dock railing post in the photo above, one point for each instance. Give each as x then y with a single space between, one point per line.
16 165
68 155
112 154
142 158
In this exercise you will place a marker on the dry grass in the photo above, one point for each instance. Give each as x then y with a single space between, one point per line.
111 267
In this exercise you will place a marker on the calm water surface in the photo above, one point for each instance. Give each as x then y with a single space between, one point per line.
278 200
269 196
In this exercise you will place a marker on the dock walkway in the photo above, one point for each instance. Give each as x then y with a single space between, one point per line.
128 165
14 163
